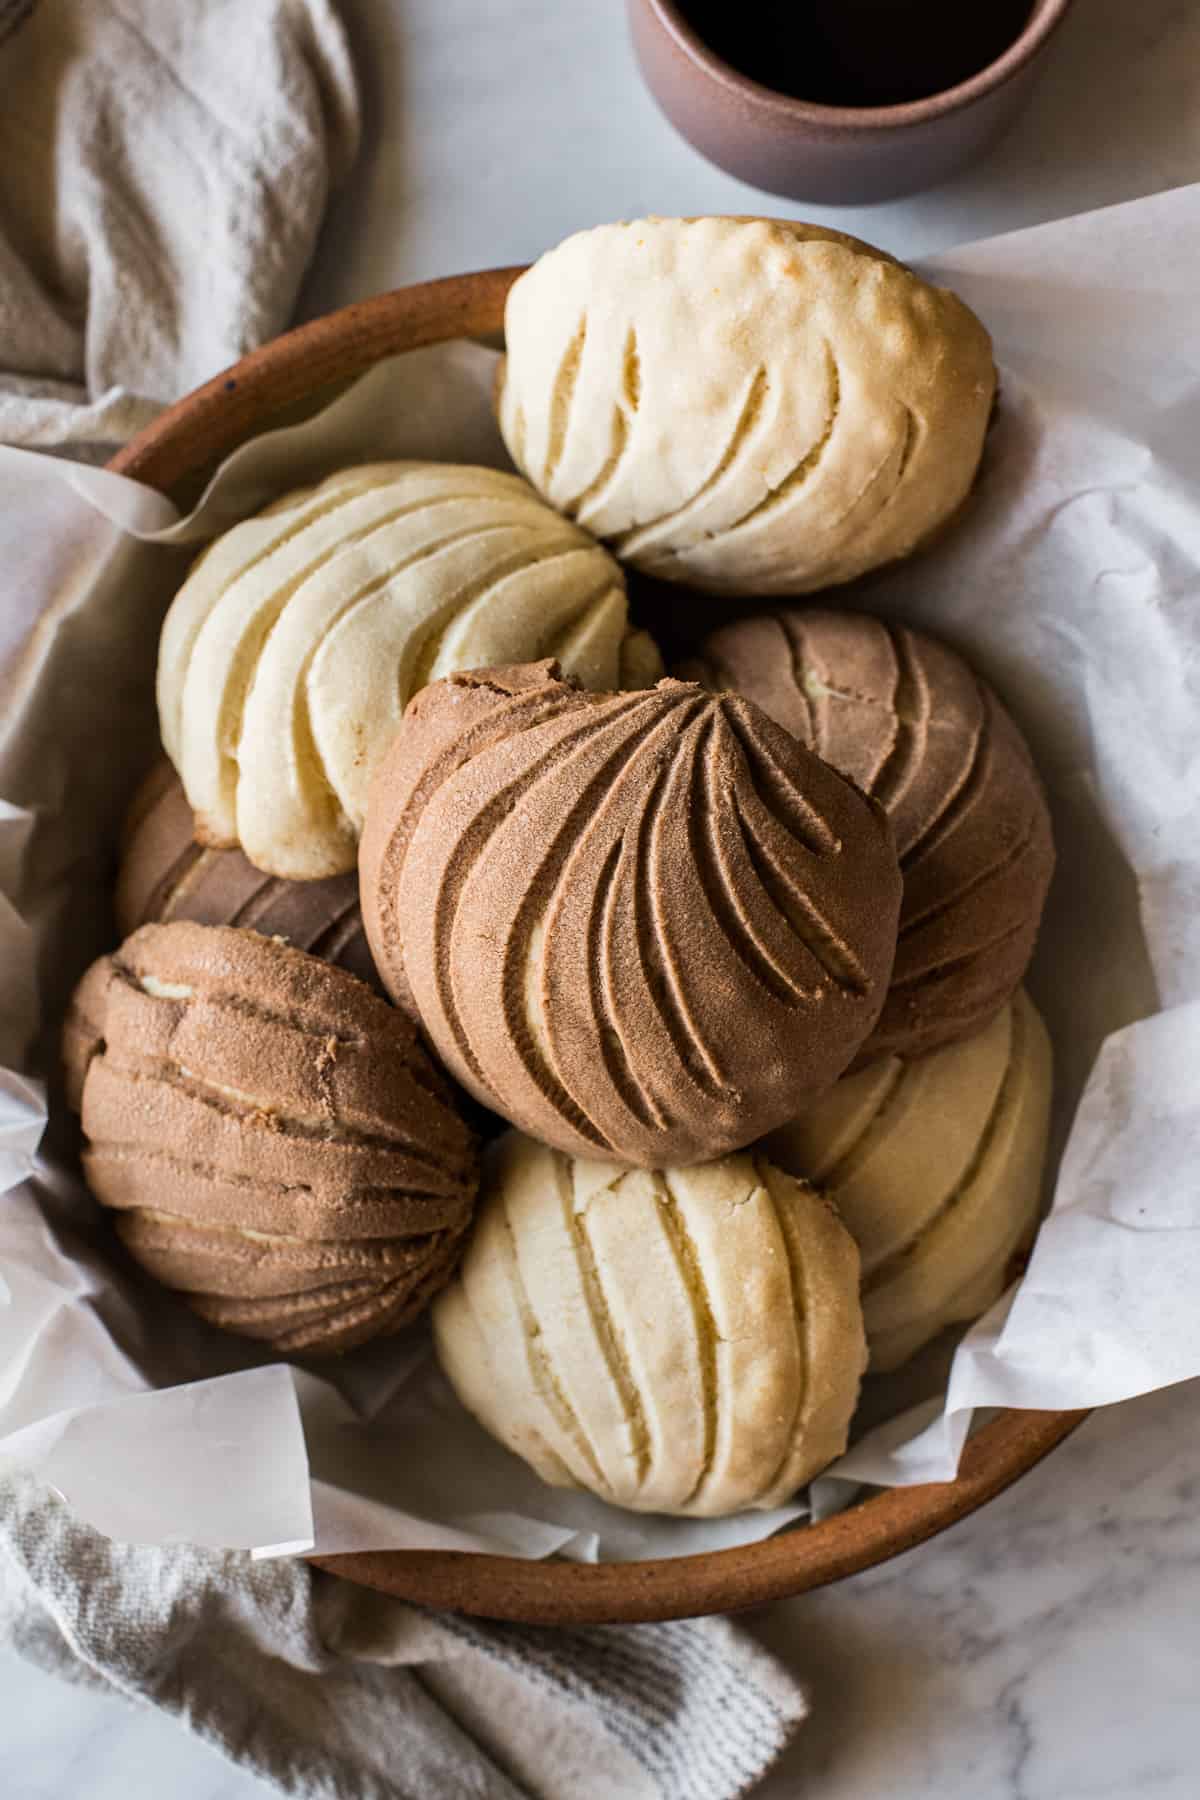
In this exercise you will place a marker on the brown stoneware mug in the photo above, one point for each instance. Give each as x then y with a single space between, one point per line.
842 101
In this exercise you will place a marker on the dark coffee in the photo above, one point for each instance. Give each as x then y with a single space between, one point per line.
858 52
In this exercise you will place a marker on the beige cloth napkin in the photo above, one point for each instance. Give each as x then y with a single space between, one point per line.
164 166
331 1693
163 169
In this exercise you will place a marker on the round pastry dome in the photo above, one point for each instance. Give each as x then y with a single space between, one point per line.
273 1140
289 653
744 405
674 1340
935 1166
635 925
165 874
906 719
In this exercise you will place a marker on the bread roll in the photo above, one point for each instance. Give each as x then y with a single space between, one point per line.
743 405
936 1167
289 653
272 1138
635 925
906 719
674 1340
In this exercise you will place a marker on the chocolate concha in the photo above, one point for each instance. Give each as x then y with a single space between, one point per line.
166 874
636 925
749 406
915 727
288 654
271 1136
683 1341
936 1168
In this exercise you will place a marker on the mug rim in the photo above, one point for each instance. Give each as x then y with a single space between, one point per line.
1044 19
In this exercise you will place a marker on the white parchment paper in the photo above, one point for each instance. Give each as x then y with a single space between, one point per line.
1073 583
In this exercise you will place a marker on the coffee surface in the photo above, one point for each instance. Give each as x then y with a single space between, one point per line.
857 52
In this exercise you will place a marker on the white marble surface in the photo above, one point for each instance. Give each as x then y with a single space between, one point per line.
495 127
1049 1647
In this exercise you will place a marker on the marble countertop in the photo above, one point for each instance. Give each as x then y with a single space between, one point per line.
1047 1648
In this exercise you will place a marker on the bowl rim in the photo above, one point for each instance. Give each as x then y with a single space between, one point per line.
1044 19
186 440
213 419
794 1561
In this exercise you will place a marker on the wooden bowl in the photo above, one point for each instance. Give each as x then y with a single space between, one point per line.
174 455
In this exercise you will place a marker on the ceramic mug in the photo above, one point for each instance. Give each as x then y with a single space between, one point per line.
812 149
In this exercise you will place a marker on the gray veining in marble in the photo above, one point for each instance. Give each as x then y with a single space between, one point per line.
1049 1647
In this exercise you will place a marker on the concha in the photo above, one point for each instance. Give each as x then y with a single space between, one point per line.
289 653
936 1168
273 1140
675 1340
914 726
636 925
743 405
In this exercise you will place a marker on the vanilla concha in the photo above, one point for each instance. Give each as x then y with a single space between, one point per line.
288 655
936 1168
744 405
681 1341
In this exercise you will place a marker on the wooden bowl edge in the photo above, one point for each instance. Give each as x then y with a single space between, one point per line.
215 418
719 1581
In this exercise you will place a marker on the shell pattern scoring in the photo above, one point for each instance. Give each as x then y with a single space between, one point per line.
637 925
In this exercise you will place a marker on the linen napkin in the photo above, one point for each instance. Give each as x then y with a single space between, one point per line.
332 1693
163 170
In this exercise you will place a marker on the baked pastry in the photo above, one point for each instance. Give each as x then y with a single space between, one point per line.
165 874
274 1141
635 925
936 1168
743 405
289 653
674 1340
906 719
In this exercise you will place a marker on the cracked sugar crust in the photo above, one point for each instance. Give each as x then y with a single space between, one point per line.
272 1138
634 924
743 405
906 718
936 1167
686 1341
288 654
